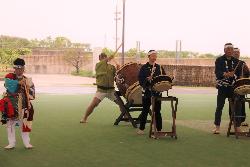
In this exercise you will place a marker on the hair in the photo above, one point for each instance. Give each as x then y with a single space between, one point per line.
236 48
228 44
152 50
102 55
19 62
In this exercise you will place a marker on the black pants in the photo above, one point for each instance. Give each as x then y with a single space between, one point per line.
146 102
243 112
223 93
239 107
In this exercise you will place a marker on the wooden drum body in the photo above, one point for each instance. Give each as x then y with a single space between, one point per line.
127 82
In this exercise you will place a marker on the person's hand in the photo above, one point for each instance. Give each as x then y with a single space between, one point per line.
231 74
150 78
228 74
118 66
22 82
225 74
110 57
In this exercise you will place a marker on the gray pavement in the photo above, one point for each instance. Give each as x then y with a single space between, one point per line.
67 84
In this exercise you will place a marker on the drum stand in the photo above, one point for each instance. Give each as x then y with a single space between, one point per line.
126 109
233 117
153 133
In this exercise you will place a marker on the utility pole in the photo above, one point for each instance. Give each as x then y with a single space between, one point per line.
138 51
123 32
177 51
117 18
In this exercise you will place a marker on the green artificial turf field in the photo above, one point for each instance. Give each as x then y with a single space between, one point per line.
61 141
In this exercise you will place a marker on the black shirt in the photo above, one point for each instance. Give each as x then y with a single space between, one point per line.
145 72
223 64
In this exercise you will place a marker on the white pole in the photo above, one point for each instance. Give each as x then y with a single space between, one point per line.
123 33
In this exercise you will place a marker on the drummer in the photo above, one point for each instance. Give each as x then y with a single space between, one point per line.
146 74
225 76
245 74
105 74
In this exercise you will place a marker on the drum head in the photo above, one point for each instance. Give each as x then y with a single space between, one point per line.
135 96
136 84
242 90
126 77
162 86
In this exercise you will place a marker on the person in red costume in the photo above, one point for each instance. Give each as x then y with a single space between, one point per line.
15 105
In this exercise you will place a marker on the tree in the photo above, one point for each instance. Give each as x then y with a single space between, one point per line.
206 55
131 52
13 42
84 46
108 51
75 58
62 42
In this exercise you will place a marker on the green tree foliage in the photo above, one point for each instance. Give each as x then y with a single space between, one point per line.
8 55
108 52
62 42
166 54
131 52
206 55
58 43
11 48
13 42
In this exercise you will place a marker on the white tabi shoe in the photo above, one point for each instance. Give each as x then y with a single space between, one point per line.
29 146
9 147
140 132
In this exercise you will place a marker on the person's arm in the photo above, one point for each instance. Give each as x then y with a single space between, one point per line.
32 90
219 69
107 59
143 80
246 71
100 68
163 71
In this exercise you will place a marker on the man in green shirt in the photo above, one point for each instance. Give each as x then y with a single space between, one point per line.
105 74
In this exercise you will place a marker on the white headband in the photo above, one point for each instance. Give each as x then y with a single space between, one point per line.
228 46
18 66
236 50
152 52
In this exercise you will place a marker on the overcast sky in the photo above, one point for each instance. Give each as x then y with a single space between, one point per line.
202 25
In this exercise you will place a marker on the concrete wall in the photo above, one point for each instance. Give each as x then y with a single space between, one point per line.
53 62
188 72
191 75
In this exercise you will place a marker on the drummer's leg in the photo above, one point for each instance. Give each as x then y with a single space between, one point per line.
99 96
146 103
221 97
243 109
158 117
238 112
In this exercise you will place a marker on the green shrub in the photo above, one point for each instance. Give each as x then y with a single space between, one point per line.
83 73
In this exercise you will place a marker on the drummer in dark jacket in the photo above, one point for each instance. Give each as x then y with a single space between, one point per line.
147 72
225 76
244 70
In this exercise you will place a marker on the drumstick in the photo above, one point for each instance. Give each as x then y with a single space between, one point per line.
236 66
153 70
116 51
